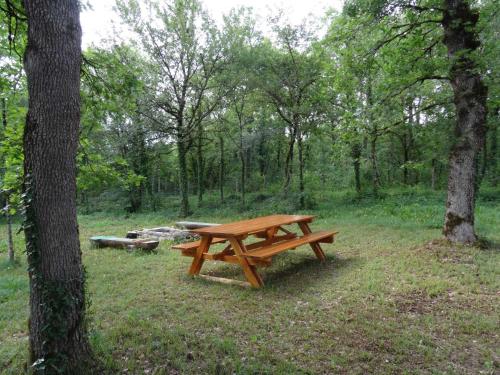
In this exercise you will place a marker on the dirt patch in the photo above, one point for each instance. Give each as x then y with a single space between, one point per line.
446 252
419 302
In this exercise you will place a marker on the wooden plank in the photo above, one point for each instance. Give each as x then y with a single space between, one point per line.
250 273
272 240
314 245
195 244
245 227
198 258
223 280
189 248
269 251
284 230
194 224
261 234
225 257
188 252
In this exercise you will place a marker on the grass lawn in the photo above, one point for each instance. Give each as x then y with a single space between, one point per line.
389 299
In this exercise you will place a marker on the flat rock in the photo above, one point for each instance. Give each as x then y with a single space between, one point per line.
163 233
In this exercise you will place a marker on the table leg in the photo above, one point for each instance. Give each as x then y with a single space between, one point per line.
314 245
250 271
198 258
270 234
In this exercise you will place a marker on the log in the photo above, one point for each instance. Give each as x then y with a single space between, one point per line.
194 224
133 234
123 243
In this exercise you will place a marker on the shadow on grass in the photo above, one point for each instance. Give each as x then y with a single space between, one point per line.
292 271
303 271
486 244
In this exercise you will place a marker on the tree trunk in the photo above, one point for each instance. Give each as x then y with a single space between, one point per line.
183 178
221 169
4 113
289 159
356 155
248 161
406 142
262 156
460 38
433 174
373 159
199 164
406 157
137 156
373 136
10 242
494 148
301 169
58 338
278 155
242 176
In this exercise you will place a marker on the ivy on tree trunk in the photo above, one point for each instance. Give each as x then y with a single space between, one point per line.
58 336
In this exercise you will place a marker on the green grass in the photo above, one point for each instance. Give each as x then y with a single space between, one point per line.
389 299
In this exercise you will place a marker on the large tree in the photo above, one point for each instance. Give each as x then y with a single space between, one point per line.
469 95
451 24
185 54
58 337
288 77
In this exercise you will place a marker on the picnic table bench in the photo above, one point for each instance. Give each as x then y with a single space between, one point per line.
259 253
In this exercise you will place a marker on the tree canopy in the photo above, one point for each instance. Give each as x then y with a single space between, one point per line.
189 106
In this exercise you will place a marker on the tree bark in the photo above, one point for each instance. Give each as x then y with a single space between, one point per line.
433 174
406 157
356 155
289 159
373 136
221 169
301 169
58 336
373 159
407 142
139 164
4 113
243 171
199 163
263 159
460 37
183 178
278 154
494 148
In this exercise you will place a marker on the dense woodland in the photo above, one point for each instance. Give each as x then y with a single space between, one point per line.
189 107
383 94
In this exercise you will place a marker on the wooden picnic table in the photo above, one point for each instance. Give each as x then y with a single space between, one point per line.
259 253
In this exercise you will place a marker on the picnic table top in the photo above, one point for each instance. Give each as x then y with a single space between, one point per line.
243 227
